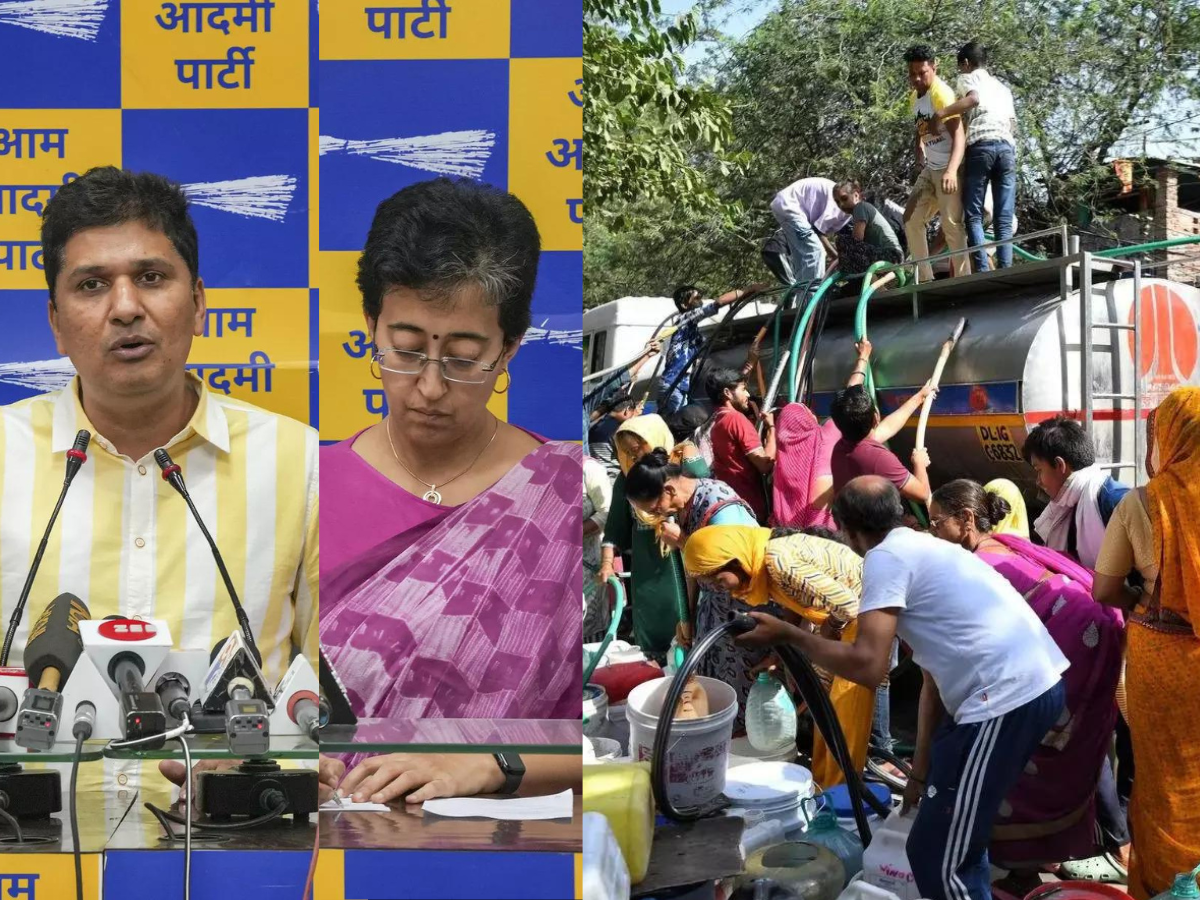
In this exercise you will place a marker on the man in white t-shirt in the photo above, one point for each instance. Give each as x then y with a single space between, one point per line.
993 686
808 214
987 105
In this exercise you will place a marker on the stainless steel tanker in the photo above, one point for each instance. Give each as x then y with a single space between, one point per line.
1019 362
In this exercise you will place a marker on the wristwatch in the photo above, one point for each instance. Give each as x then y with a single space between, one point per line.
514 771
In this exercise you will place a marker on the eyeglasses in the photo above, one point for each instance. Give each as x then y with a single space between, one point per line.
409 362
936 524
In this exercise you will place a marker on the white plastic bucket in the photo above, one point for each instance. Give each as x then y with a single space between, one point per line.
699 753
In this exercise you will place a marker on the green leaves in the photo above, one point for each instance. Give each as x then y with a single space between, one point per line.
645 129
679 174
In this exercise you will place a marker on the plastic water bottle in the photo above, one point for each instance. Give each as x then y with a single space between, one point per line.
770 715
823 830
1184 887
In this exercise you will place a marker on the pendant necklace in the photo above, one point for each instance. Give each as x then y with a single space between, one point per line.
433 495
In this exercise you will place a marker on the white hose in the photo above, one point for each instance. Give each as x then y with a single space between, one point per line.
947 349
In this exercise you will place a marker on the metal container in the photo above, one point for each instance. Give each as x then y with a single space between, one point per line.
1018 363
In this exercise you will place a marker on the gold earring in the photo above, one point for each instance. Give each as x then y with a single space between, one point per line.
374 368
507 384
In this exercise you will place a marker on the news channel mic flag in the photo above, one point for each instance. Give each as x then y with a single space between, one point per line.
223 98
484 89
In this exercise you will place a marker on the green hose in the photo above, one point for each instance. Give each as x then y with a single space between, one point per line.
860 332
798 332
618 611
1147 248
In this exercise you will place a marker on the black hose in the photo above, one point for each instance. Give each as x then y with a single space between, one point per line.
813 693
666 719
697 361
825 718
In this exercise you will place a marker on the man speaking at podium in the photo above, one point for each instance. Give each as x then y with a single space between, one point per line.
126 299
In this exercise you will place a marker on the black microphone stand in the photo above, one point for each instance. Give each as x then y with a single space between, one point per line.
76 457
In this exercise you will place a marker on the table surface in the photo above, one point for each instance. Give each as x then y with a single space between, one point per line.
407 828
455 736
140 830
59 752
97 821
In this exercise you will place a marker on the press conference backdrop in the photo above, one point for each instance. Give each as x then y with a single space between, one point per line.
487 89
223 97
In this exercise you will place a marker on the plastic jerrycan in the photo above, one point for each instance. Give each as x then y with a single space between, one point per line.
823 829
885 862
1184 887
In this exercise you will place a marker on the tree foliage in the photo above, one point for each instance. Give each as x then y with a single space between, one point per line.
644 127
819 88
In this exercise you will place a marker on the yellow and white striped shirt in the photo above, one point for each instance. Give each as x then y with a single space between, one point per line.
125 542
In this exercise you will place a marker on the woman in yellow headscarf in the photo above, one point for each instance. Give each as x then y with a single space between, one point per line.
1017 520
658 590
1162 680
815 578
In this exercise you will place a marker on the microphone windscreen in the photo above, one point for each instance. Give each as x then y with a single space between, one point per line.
163 458
82 439
216 650
54 641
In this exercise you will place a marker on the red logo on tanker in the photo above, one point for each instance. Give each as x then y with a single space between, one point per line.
127 630
978 398
1169 337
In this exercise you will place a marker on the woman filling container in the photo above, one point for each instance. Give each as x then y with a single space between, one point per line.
451 565
1050 816
659 594
819 580
659 488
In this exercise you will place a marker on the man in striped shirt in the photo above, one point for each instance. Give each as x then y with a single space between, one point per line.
125 301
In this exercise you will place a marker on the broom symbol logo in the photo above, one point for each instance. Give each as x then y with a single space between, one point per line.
80 19
258 197
463 153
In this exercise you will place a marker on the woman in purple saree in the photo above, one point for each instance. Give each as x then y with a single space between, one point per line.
1050 816
451 564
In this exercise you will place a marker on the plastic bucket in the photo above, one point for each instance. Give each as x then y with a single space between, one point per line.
699 753
742 753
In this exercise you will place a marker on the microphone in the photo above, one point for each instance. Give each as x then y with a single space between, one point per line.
85 720
246 720
53 649
76 457
173 690
142 713
308 711
173 476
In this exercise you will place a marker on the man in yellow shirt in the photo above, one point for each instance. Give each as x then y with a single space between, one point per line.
940 147
125 301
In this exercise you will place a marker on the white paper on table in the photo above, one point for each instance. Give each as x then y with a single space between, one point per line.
555 806
351 806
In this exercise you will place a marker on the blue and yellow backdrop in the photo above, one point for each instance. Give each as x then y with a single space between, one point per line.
261 112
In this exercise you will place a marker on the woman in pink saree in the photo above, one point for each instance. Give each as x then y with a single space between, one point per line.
1050 816
451 568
